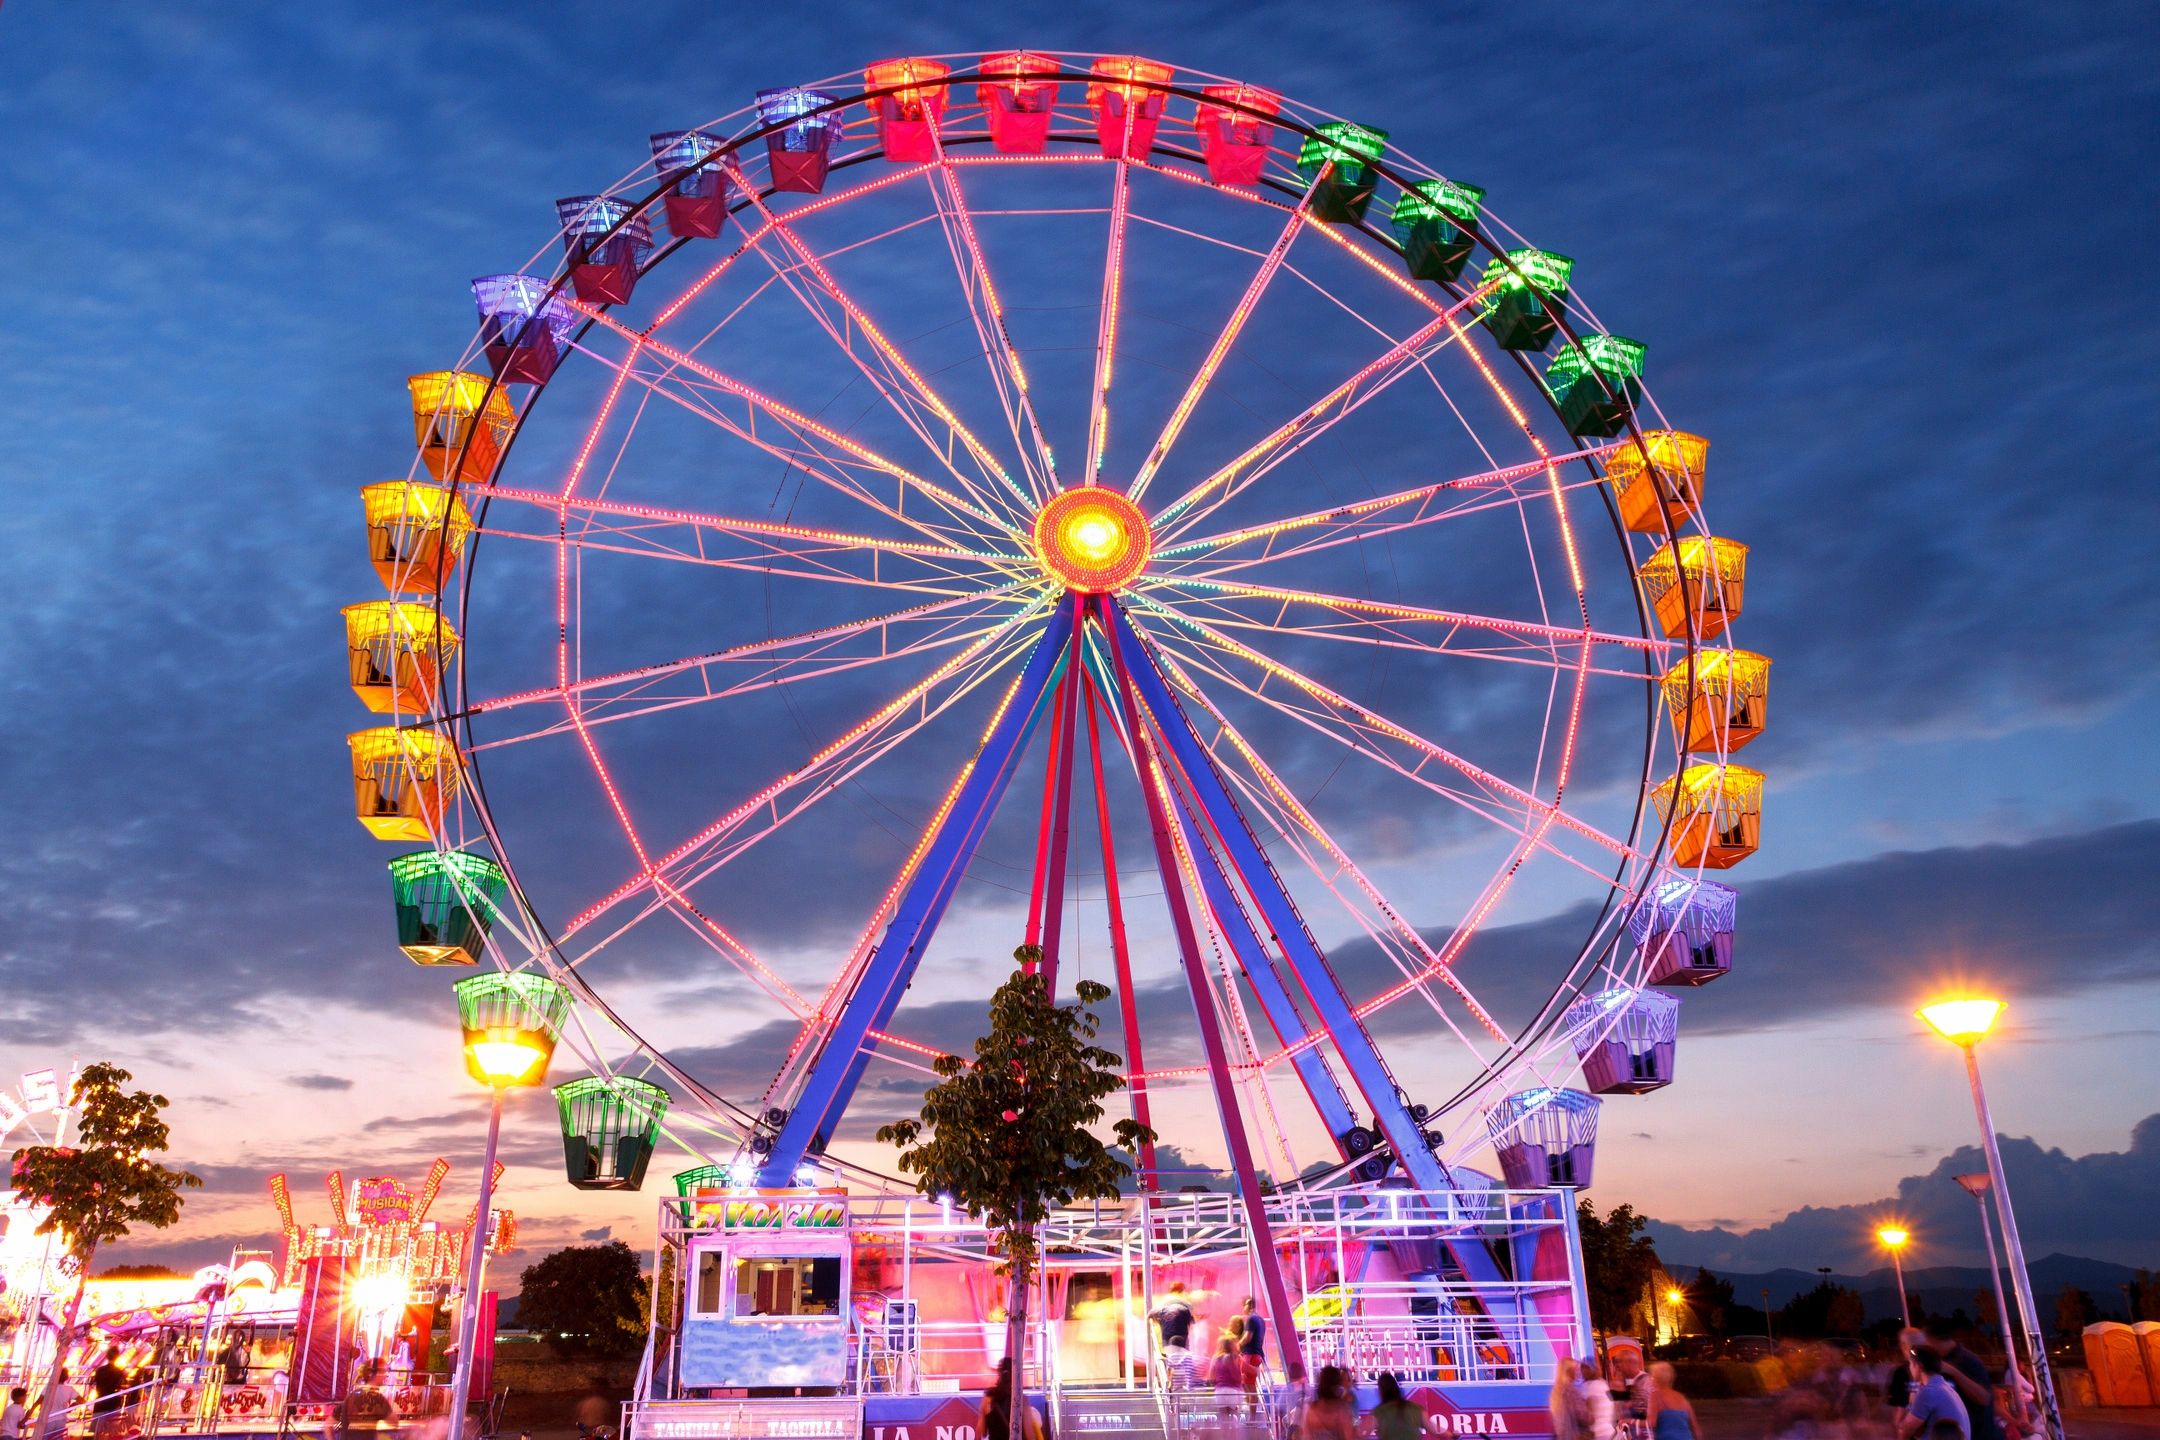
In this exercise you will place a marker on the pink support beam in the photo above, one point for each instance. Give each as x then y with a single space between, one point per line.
1251 1200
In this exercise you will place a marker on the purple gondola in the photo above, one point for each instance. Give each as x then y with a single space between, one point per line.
1625 1039
523 329
1544 1137
697 201
801 150
606 246
1684 929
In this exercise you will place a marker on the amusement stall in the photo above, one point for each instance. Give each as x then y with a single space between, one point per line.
342 1323
1298 621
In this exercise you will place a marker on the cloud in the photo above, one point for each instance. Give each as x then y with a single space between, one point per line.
2011 912
320 1082
2097 1205
597 1233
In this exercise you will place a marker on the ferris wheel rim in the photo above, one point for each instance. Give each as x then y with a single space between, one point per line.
1592 945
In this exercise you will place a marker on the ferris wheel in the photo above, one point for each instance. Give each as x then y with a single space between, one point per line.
1078 500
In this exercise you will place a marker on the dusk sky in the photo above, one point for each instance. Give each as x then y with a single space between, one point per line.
1894 260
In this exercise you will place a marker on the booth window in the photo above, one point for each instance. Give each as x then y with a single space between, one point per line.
787 1285
709 1272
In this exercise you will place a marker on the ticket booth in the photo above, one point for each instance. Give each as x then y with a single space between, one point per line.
766 1295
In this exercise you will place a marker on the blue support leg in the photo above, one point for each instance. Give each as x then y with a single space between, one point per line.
1230 917
838 1069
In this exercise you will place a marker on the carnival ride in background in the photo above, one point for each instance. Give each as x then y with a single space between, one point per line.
254 1344
762 494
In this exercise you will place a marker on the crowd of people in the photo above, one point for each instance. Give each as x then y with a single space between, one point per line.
1936 1389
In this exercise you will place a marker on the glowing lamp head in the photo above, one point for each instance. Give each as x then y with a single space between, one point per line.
506 1058
1676 1295
510 1023
1964 1020
1091 539
1893 1237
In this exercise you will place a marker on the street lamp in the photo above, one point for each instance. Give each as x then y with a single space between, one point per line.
510 1022
1977 1187
1894 1238
1965 1022
1677 1298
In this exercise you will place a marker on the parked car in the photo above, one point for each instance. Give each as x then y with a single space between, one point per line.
1747 1347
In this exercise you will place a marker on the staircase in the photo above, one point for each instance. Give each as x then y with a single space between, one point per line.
1108 1413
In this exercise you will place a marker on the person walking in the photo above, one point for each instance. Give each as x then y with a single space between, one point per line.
1597 1401
1179 1370
1935 1401
1671 1416
1569 1410
1329 1415
1396 1417
1252 1343
997 1403
1173 1318
1227 1376
59 1407
108 1381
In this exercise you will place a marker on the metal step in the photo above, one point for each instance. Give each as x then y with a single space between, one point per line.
1110 1414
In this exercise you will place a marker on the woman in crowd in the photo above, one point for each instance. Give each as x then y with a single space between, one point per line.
1671 1416
1396 1417
1570 1412
1330 1415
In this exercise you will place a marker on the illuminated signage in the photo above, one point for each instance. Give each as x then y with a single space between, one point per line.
39 1093
791 1210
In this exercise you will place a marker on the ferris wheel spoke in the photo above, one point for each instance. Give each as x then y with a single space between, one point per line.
820 767
897 366
1007 375
1275 799
1384 636
1381 619
1220 350
805 428
1106 324
777 537
1375 726
794 566
1403 357
1375 510
740 670
1553 491
1531 835
840 472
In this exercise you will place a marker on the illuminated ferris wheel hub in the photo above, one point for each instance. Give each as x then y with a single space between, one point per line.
1093 540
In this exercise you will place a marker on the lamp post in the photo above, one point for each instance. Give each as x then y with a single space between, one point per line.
1964 1022
1977 1187
1894 1239
1677 1298
510 1022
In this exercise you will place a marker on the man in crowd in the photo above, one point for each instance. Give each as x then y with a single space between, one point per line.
108 1380
1936 1407
1968 1374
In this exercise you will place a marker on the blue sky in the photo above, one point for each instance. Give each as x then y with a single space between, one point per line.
1889 257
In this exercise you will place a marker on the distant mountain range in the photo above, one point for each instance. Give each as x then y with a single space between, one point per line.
1939 1288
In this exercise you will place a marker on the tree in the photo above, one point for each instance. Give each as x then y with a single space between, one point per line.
1712 1298
100 1188
2074 1310
587 1302
1010 1137
2144 1296
1618 1263
1828 1309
